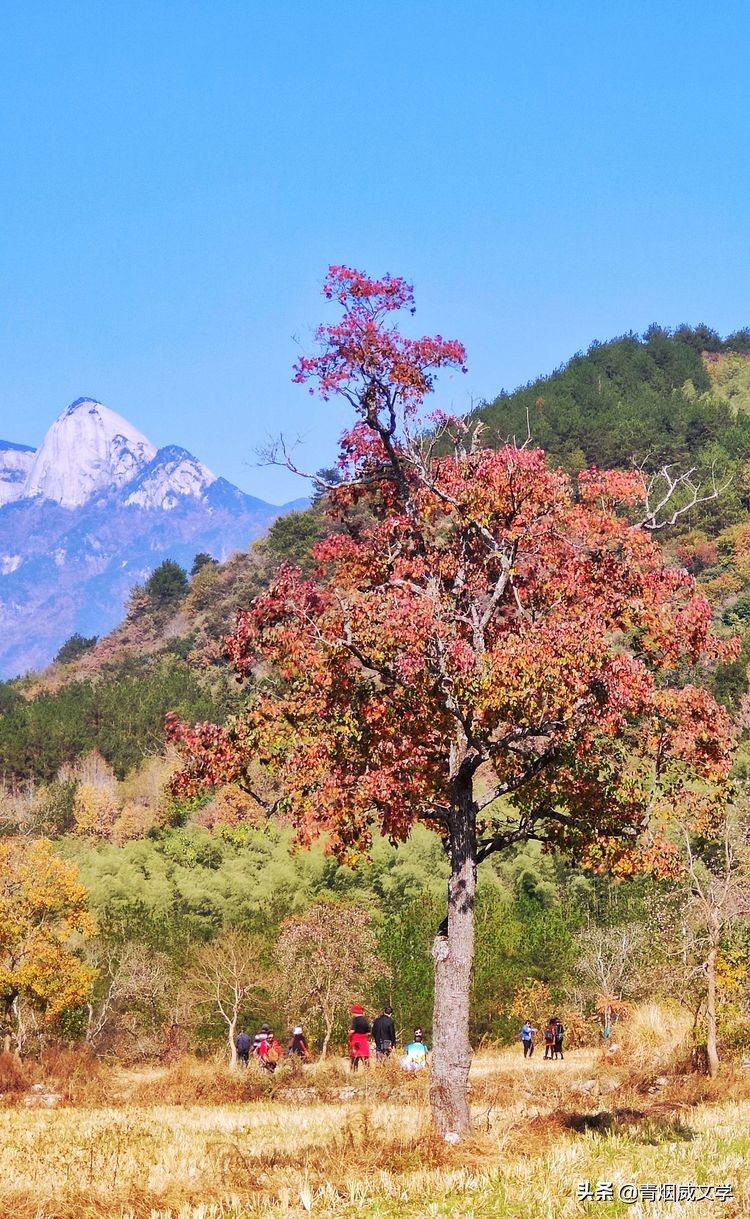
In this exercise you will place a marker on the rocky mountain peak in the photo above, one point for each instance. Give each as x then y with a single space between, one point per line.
172 474
91 513
79 402
88 450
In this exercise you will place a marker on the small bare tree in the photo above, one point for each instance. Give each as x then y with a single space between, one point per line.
718 868
132 985
610 966
327 959
223 975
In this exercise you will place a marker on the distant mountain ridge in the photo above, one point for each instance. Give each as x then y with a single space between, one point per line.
15 462
89 514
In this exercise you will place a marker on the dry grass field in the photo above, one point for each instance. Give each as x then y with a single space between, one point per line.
324 1143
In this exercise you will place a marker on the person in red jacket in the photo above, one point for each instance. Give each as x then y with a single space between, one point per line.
267 1049
359 1038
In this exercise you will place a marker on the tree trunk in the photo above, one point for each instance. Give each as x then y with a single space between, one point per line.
327 1038
9 1005
712 1053
453 954
231 1026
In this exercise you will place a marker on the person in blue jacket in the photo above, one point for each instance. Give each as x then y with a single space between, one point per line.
243 1043
527 1039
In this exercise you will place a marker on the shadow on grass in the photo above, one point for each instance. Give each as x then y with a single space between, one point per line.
636 1124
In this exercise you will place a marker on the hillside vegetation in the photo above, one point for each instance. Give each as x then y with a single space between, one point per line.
662 398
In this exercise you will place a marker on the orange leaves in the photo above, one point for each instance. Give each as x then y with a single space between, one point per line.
532 1001
612 1007
693 730
496 621
214 757
611 489
653 857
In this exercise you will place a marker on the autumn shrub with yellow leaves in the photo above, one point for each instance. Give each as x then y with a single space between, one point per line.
42 906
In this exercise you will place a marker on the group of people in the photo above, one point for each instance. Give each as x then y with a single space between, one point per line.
553 1038
267 1050
383 1034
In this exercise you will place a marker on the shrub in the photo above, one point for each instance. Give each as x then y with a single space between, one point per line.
293 536
12 1074
74 647
653 1036
56 809
94 811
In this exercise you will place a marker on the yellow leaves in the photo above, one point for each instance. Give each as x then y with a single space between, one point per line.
731 973
94 811
42 906
532 1000
49 975
36 885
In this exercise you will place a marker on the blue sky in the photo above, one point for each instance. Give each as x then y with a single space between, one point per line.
176 177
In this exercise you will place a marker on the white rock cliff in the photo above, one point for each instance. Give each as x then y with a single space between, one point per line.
89 449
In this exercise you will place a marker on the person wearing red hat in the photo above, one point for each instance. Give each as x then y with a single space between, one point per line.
359 1038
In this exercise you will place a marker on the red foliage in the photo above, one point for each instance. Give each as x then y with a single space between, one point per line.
362 348
479 620
695 552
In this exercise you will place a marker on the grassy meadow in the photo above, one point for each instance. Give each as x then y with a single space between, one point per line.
162 1144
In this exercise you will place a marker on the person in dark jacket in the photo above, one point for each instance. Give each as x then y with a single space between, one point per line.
559 1034
549 1039
242 1044
384 1034
298 1045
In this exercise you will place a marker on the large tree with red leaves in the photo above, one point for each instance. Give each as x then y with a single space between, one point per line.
485 647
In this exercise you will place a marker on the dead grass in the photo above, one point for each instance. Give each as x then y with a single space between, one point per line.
77 1075
14 1078
656 1034
209 1081
321 1141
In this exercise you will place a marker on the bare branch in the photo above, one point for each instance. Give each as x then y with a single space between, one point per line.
278 452
664 502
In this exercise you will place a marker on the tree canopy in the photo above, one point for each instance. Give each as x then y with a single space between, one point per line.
167 584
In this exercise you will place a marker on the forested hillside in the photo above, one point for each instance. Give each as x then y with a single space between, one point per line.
83 758
665 397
